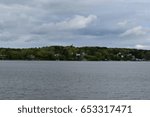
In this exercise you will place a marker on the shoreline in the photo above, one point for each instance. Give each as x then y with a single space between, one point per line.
68 61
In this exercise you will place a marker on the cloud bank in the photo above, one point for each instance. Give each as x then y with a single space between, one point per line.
34 23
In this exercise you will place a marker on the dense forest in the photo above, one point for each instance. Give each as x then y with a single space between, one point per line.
71 53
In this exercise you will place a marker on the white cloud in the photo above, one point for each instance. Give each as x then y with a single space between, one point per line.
135 31
78 22
139 46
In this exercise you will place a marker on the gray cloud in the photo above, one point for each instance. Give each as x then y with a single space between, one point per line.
117 23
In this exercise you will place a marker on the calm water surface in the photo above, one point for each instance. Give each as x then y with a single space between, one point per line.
74 80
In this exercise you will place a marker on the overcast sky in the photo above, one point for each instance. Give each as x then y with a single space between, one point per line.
110 23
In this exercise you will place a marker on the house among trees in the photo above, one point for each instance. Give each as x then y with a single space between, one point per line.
71 53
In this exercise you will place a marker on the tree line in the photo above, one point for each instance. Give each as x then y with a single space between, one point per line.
71 53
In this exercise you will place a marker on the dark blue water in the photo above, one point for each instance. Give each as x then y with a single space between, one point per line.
74 80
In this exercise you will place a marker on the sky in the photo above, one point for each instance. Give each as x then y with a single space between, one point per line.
105 23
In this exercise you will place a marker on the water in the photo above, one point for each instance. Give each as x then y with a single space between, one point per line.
74 80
